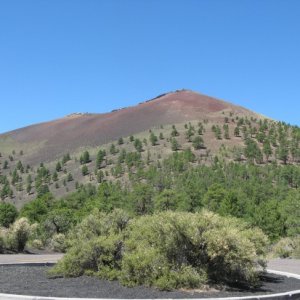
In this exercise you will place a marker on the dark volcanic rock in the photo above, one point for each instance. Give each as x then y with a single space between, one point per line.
32 280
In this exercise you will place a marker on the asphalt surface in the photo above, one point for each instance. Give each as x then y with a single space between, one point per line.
8 259
285 265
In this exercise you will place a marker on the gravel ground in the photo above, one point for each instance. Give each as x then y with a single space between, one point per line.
32 280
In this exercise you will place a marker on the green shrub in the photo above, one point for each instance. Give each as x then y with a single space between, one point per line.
36 210
95 246
8 214
85 258
167 250
59 221
171 200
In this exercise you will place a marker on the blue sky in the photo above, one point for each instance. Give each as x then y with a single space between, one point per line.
64 56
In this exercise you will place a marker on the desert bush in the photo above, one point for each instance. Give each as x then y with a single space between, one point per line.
99 224
18 234
58 243
296 252
167 250
3 238
220 249
287 247
2 245
37 244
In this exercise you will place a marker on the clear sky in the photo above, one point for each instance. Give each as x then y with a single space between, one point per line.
64 56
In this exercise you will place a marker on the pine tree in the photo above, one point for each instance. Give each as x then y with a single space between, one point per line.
28 188
15 177
5 165
198 143
252 151
54 176
69 177
138 145
84 170
226 131
189 133
122 156
261 136
148 158
267 150
153 139
283 153
58 167
85 158
237 131
113 149
19 165
218 133
174 145
174 131
100 158
120 141
66 158
200 129
100 176
6 191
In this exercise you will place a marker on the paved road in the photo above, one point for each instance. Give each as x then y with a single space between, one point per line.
6 259
283 265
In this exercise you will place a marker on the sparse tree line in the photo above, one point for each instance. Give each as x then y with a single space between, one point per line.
267 196
261 142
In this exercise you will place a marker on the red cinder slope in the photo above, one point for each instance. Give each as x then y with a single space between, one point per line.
79 130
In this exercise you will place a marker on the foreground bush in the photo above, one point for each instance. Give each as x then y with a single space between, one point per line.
168 250
95 246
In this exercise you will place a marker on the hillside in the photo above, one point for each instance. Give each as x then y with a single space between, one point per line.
61 155
50 140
